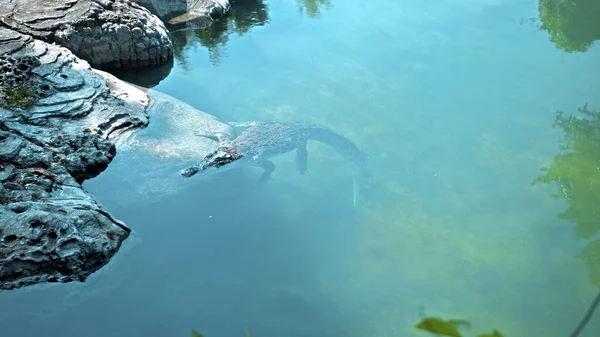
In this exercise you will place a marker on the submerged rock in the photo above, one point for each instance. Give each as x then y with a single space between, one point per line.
106 33
149 160
181 14
51 229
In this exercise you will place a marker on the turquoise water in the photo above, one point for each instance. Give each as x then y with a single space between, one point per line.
454 101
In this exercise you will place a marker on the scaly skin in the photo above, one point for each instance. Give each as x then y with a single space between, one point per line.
261 141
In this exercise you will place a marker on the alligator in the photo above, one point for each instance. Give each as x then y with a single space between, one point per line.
261 141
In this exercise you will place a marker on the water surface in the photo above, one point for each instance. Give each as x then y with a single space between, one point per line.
455 103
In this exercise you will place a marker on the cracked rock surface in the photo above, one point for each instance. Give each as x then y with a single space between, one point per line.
51 229
107 33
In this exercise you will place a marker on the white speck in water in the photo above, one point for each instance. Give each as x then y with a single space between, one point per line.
210 216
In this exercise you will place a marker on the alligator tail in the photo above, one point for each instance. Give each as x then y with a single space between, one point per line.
348 151
360 177
356 194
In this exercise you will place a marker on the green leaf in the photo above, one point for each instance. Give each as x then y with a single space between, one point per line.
439 326
460 323
248 334
193 333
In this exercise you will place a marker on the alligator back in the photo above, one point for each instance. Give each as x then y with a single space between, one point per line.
269 139
339 143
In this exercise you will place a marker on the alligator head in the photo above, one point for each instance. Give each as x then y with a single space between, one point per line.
223 156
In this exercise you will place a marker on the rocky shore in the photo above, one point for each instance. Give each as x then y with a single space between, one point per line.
60 117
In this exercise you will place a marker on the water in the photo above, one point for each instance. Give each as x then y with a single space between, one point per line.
454 101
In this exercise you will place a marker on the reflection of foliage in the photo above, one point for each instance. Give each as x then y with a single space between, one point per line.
180 42
242 16
313 7
245 14
577 172
573 25
590 255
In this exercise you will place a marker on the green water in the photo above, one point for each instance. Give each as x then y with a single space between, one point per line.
455 103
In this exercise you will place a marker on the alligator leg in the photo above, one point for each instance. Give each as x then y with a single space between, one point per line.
217 136
211 137
269 168
301 158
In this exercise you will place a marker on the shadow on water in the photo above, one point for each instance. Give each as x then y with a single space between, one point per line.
151 76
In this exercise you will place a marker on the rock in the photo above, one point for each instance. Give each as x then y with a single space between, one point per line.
164 9
51 229
150 159
182 14
106 33
172 132
51 302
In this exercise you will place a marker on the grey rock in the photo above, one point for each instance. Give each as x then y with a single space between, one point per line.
96 31
182 14
10 148
51 229
149 159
